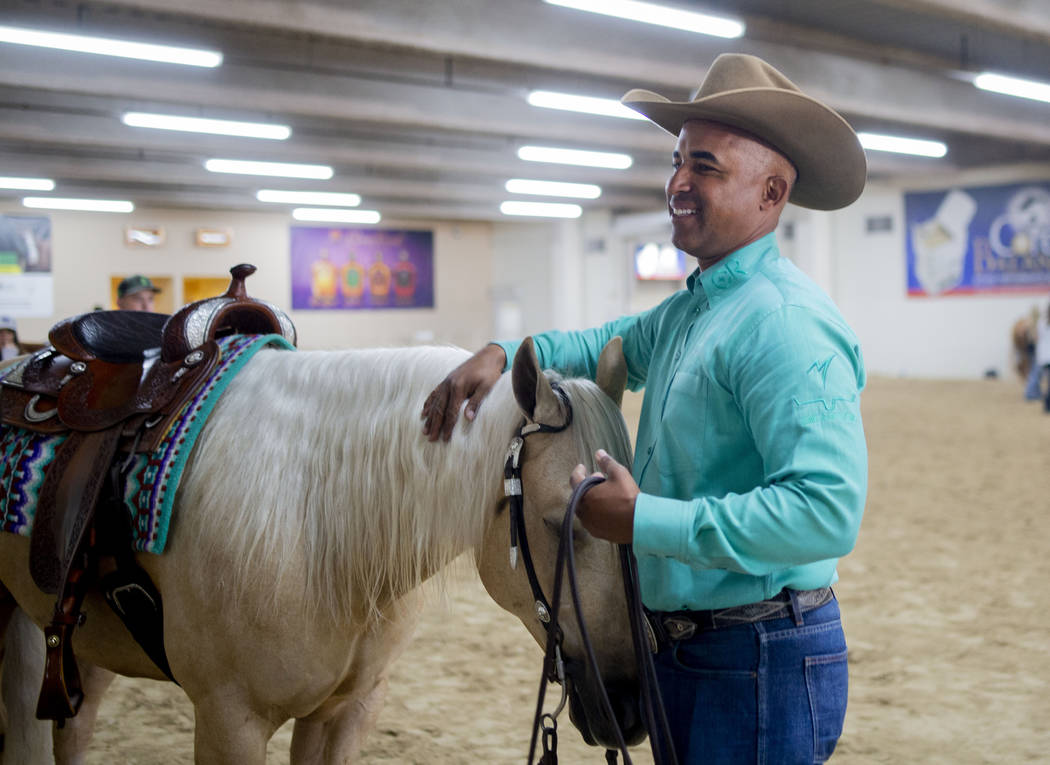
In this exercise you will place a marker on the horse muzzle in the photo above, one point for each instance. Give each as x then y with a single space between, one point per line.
587 711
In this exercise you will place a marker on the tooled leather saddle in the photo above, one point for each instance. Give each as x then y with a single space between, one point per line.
111 382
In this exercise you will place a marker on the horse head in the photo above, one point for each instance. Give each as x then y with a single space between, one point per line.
595 422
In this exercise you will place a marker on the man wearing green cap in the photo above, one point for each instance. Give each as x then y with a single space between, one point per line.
136 293
750 474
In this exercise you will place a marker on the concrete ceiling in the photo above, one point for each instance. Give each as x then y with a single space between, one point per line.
420 106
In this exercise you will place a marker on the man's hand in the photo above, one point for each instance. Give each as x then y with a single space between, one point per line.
607 510
472 379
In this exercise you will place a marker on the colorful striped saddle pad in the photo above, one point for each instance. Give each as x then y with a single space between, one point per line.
153 480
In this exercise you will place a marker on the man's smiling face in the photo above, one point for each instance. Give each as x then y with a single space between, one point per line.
719 195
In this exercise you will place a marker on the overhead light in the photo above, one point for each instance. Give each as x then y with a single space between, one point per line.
1013 86
281 169
202 125
575 157
332 198
541 209
607 107
554 188
649 13
87 205
915 146
331 215
106 46
27 184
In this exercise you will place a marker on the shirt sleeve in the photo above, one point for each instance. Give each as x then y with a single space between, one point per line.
576 353
796 378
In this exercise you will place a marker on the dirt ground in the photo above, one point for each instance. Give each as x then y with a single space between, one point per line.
946 603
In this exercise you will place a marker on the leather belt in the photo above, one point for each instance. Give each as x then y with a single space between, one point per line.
682 625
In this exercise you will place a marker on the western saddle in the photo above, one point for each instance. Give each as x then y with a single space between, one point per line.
111 382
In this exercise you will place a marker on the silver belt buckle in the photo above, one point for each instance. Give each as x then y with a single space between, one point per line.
678 628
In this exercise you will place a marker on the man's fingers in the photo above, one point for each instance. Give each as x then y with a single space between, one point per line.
475 403
606 463
579 473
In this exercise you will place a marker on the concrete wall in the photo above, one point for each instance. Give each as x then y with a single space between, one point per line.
515 278
89 247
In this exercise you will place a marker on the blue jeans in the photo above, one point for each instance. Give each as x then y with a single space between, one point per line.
769 693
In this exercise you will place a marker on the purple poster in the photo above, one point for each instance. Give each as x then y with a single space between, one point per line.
355 268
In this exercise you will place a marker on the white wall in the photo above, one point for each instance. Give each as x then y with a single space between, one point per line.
89 247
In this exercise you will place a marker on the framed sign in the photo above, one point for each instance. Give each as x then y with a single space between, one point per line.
983 239
361 268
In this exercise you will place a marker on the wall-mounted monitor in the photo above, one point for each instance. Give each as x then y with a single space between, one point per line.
654 261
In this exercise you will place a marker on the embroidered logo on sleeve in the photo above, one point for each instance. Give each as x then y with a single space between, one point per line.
824 407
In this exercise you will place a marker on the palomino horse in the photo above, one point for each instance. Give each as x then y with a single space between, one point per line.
312 509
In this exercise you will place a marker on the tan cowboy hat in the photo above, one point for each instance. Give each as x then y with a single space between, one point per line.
747 93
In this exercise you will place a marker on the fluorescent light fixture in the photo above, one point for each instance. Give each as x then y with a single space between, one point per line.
331 215
106 46
1013 86
650 13
87 205
202 125
554 188
607 107
281 169
330 198
541 209
898 145
27 184
575 157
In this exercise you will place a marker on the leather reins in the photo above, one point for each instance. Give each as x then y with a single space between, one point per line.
642 638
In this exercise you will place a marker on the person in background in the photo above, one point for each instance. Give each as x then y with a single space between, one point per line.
1026 334
750 475
136 293
9 345
1042 356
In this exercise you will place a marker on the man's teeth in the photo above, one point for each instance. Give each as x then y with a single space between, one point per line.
682 211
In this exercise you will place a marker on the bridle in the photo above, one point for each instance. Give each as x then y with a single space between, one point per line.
642 638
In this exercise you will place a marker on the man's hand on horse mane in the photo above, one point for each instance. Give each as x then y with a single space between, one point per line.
607 510
473 379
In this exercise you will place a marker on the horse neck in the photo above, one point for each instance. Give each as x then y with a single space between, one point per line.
414 505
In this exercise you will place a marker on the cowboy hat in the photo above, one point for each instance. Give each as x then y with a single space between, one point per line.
747 93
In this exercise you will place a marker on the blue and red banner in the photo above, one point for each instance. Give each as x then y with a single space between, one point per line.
361 268
984 239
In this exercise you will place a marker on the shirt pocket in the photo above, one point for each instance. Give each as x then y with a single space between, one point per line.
683 429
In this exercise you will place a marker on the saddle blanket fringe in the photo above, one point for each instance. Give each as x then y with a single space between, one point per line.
153 479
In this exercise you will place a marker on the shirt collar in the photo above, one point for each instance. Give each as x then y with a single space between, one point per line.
732 270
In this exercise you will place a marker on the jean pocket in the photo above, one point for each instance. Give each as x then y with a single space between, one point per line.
827 683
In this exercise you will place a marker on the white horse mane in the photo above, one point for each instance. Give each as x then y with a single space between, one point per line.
316 466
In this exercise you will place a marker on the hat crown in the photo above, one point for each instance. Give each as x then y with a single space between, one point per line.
739 71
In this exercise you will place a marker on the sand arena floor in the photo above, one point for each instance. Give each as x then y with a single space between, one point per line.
946 602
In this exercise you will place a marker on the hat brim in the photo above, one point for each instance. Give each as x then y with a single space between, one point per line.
831 164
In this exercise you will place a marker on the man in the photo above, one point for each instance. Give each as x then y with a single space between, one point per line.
136 293
750 473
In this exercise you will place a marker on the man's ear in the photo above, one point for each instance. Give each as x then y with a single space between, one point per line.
775 191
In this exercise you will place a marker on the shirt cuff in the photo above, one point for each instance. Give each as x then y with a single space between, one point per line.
510 347
660 526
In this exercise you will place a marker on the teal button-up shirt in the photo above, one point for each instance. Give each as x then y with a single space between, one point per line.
750 452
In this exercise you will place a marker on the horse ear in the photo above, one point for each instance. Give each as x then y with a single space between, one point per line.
532 389
612 370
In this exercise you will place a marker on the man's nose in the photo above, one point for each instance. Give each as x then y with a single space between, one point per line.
678 182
